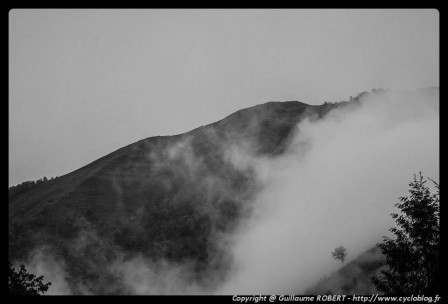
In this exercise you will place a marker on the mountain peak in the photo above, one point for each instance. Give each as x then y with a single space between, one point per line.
164 197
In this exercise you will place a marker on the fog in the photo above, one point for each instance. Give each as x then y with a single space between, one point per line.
358 162
335 185
42 262
84 83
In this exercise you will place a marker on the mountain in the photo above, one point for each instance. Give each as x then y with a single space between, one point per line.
171 199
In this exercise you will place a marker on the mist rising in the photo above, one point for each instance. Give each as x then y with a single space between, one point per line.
254 203
336 185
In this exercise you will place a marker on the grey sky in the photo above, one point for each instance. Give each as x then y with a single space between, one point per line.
83 83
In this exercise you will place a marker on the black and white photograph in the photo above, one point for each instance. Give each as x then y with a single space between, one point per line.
263 154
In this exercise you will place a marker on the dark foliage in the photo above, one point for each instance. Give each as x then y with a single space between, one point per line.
143 201
26 186
412 258
339 253
22 283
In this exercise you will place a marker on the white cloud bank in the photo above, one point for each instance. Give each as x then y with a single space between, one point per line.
336 185
341 191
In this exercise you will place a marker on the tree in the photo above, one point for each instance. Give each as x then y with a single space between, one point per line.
412 258
339 253
22 283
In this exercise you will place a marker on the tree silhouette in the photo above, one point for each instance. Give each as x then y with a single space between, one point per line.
339 253
413 256
22 283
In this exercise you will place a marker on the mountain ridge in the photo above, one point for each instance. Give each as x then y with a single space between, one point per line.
242 114
175 199
165 197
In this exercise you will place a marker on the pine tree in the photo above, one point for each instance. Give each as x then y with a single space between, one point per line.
412 258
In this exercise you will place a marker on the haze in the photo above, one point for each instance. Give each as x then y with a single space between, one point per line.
335 184
83 83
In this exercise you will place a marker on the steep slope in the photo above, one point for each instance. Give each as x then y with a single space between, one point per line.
171 198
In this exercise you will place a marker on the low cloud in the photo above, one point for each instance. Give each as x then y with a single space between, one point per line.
336 184
43 262
358 161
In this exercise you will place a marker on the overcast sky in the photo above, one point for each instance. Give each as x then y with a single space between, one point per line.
83 83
